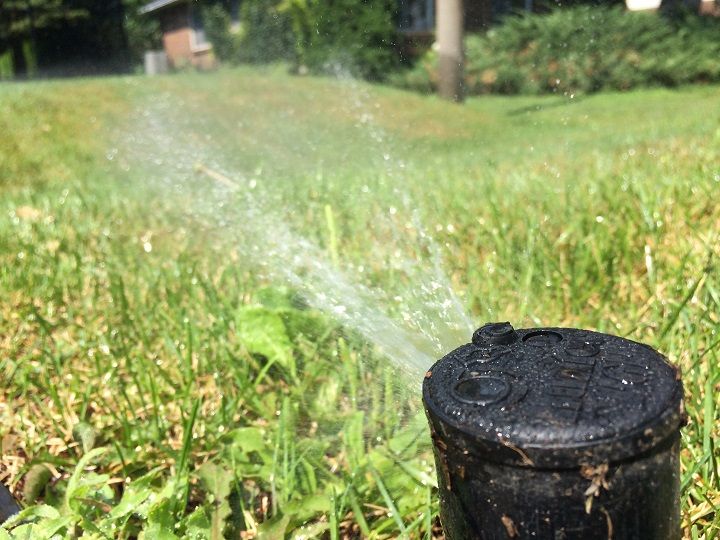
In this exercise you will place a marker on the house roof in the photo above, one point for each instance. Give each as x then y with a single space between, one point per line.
158 4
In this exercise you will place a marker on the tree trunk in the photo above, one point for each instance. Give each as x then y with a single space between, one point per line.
450 48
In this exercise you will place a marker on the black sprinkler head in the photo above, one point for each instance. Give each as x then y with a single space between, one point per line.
8 505
555 433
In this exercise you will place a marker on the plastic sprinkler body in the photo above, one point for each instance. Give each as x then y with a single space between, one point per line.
8 505
555 433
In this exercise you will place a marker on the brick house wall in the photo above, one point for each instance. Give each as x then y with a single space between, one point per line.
180 39
174 23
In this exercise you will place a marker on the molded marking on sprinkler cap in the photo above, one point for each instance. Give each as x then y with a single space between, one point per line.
483 389
581 348
542 338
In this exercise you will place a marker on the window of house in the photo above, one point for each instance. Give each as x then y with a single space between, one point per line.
416 15
199 38
235 10
235 15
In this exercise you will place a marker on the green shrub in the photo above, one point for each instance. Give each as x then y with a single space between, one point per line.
584 49
7 70
30 56
268 35
217 24
353 35
265 34
142 31
348 36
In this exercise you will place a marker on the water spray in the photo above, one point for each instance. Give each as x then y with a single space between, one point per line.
431 317
555 433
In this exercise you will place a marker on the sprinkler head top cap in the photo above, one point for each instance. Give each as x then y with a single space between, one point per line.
495 334
555 397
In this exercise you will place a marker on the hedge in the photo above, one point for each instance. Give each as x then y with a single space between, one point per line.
581 50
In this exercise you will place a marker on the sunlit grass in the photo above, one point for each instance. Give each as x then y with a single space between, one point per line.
122 312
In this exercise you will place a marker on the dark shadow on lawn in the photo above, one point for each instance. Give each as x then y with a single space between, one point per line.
563 102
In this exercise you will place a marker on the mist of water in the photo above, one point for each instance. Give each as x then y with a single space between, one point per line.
412 323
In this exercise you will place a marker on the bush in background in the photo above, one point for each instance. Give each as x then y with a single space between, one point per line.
583 49
142 31
6 66
268 35
217 22
265 34
353 36
356 36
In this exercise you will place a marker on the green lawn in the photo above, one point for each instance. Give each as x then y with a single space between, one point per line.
157 380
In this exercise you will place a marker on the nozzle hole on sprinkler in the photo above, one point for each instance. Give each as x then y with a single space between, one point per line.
542 338
482 390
